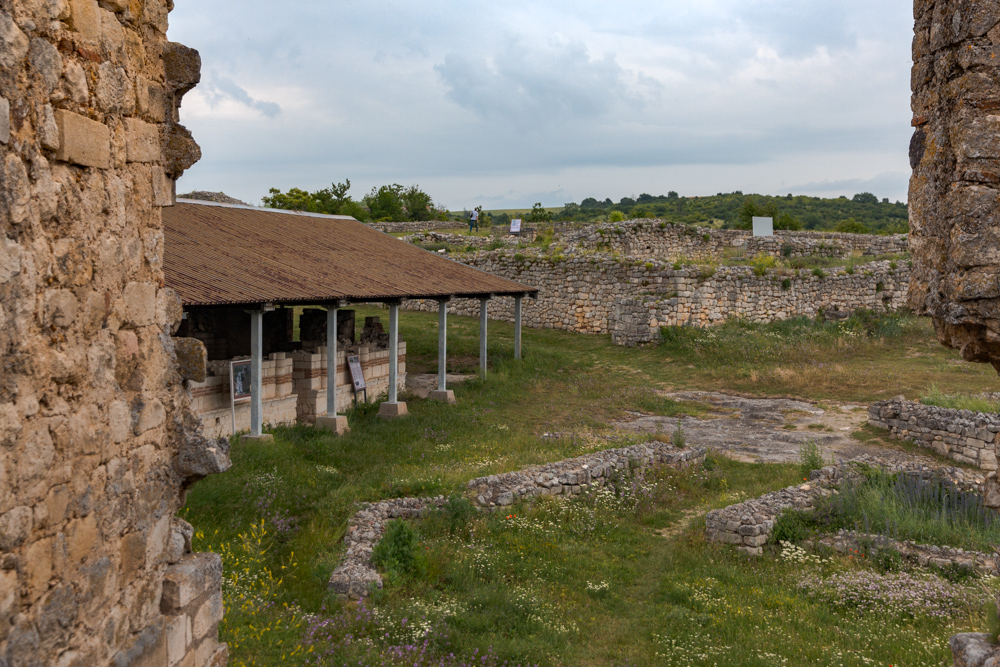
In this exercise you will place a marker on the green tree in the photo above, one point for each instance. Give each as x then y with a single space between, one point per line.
333 200
865 198
753 208
386 203
851 226
417 203
539 214
787 222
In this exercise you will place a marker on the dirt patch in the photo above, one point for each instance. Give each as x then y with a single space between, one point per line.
767 430
422 384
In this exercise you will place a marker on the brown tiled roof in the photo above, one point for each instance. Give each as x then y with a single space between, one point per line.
217 254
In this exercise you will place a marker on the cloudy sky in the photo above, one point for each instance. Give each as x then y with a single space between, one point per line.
507 103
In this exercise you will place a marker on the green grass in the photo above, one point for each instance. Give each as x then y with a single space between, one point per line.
305 485
935 396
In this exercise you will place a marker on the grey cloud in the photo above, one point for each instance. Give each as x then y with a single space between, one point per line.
525 83
220 88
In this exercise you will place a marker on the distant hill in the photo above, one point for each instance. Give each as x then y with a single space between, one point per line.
864 212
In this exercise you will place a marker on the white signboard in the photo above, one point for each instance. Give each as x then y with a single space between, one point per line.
357 375
515 226
763 226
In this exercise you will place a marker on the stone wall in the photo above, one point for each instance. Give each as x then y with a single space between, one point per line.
411 227
97 439
962 435
601 294
211 398
667 241
311 382
955 187
741 293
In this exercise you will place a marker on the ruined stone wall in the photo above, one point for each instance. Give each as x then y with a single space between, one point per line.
96 437
667 241
600 294
955 188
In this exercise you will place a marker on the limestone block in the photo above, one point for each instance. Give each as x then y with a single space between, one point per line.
14 527
192 358
163 188
180 150
140 303
142 141
116 6
208 616
178 632
114 90
45 59
85 18
181 66
4 121
13 43
197 575
83 141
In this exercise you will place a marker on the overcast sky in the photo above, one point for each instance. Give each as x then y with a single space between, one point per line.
503 104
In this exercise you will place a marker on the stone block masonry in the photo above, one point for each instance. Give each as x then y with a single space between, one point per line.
631 299
97 437
965 436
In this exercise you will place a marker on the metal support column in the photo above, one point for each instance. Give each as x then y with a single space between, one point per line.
517 327
393 350
331 362
442 345
482 335
256 372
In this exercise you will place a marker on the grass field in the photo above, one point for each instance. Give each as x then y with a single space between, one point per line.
583 583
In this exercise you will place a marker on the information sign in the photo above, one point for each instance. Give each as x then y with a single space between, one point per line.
241 379
763 226
357 375
515 226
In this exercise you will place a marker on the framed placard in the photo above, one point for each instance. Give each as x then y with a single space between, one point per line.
515 226
357 375
240 382
763 226
240 379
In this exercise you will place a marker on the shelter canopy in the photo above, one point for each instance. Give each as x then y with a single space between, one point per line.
220 254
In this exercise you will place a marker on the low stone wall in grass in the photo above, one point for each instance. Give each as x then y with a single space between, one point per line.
577 475
404 227
355 576
924 555
962 435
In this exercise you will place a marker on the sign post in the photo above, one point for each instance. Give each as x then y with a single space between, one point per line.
240 381
515 227
357 377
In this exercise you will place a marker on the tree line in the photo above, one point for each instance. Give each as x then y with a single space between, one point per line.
388 203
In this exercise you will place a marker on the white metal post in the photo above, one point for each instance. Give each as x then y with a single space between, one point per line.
482 335
393 350
256 371
442 344
517 327
331 362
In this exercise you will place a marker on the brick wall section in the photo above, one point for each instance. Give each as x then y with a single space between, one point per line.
630 299
97 439
962 435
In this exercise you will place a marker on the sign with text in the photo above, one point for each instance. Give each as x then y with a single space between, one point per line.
357 375
763 226
240 380
515 226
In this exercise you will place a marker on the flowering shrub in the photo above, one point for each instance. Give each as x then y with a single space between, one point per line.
901 594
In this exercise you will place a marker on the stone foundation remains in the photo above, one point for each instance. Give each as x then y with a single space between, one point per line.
965 436
922 555
97 437
355 576
599 294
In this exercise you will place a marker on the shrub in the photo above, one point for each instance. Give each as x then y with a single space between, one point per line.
678 436
649 266
519 258
791 526
761 264
810 458
616 216
786 284
706 237
879 286
786 250
662 225
458 512
396 553
819 273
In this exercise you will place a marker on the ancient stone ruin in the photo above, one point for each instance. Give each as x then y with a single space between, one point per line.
97 439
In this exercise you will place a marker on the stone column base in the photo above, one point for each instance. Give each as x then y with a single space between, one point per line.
267 437
392 410
336 424
443 395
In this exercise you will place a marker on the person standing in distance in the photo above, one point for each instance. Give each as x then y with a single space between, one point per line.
474 219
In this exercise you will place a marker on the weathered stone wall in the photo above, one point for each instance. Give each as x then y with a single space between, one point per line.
955 188
656 239
97 440
631 300
739 292
410 227
962 435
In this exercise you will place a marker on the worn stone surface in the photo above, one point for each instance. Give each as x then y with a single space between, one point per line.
955 187
97 438
923 555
